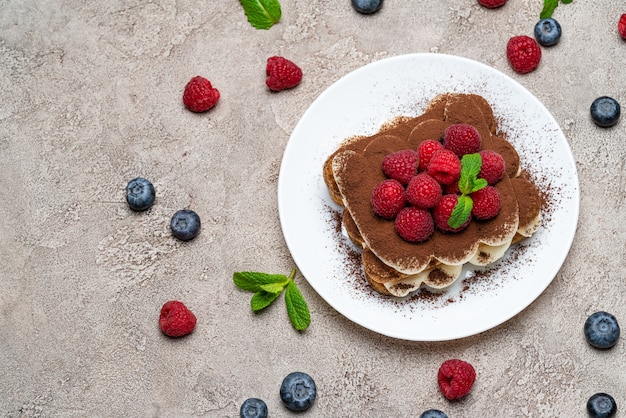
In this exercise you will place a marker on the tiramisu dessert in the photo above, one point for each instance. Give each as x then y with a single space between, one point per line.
428 194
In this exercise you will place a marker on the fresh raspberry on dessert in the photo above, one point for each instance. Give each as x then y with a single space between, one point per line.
401 165
444 166
199 95
282 74
423 191
176 320
425 151
455 378
487 203
442 211
388 198
491 4
523 53
621 26
414 224
492 168
462 139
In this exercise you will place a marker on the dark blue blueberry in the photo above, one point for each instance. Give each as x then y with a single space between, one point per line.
140 194
601 330
601 405
605 111
367 6
433 413
185 224
298 391
548 32
253 408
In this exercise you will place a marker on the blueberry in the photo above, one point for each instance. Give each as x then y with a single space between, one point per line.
253 408
548 32
433 413
367 6
185 224
298 391
605 111
601 405
140 194
601 330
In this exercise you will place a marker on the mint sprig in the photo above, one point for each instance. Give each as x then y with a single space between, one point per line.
549 6
468 184
268 287
262 14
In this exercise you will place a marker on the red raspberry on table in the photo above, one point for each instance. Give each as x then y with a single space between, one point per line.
462 139
442 211
199 95
388 198
414 224
491 4
621 26
444 166
425 151
401 165
455 378
176 320
282 74
493 166
423 191
487 203
523 53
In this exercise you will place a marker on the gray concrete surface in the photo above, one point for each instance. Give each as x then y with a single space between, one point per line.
90 97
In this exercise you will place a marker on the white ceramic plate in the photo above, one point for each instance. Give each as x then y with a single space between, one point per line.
358 104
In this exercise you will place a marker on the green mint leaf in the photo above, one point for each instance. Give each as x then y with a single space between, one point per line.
479 184
548 8
470 167
275 287
253 281
297 309
566 1
262 14
262 299
461 211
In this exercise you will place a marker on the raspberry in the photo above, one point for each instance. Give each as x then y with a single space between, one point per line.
388 198
462 139
444 166
442 211
523 53
492 168
176 320
452 188
282 74
414 224
199 95
425 151
621 26
423 191
491 4
401 165
487 203
455 378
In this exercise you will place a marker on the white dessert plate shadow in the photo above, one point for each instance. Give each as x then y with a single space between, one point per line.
359 104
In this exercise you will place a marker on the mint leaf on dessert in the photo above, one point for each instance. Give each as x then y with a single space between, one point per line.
262 14
262 299
268 287
468 184
461 211
297 309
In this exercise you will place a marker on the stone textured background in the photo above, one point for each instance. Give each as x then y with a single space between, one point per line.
90 97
